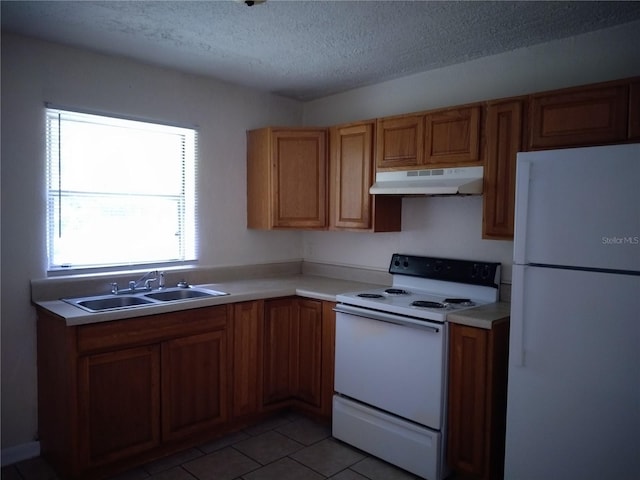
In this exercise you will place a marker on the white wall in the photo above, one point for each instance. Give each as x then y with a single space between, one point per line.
34 72
439 227
453 226
599 56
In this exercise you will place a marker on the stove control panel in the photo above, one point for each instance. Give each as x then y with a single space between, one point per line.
446 269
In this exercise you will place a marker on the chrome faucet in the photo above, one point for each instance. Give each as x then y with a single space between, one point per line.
147 278
143 283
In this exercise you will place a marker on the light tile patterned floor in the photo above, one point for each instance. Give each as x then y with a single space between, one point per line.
287 447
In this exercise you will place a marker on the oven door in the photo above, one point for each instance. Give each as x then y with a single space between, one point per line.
391 364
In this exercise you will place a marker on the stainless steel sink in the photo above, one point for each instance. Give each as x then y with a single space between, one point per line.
119 301
112 302
173 294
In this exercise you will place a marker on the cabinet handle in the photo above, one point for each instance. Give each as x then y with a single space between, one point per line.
523 176
386 317
516 327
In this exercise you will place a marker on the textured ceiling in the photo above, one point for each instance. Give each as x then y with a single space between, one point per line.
308 49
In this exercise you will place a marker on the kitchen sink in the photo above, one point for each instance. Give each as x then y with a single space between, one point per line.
124 300
112 302
173 294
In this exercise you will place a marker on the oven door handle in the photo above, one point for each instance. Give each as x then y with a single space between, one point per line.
384 317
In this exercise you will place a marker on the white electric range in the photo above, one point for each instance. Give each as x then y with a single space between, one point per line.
391 358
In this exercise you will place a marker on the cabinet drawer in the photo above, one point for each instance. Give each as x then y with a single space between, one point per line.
151 329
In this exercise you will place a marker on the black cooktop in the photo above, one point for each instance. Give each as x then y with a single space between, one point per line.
451 270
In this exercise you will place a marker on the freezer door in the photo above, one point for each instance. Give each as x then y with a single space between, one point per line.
573 407
579 207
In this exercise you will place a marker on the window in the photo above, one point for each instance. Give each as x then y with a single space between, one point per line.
119 192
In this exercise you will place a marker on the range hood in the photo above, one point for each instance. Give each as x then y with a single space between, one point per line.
436 181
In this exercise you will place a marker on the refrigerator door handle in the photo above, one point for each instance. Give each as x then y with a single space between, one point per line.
523 174
516 343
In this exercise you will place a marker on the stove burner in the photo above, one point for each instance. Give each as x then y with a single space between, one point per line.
427 304
370 295
460 301
396 291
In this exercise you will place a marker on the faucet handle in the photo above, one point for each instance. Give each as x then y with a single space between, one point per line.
114 288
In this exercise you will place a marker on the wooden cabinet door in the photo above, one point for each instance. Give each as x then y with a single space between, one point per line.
351 167
292 364
467 399
279 317
477 400
306 353
504 140
400 142
119 397
581 116
352 173
452 137
194 384
247 357
299 179
287 178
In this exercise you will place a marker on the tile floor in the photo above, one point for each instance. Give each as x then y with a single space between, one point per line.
287 447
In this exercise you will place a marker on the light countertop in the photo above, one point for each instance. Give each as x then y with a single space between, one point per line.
483 316
320 288
309 286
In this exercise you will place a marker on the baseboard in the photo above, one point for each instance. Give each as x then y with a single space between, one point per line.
18 453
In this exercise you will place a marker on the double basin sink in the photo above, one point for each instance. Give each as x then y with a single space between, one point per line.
118 301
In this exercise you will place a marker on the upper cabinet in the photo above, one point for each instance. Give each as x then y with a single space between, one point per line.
453 137
504 132
443 138
599 114
287 178
400 142
352 172
590 115
296 182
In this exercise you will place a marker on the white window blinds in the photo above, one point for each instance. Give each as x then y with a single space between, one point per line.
120 192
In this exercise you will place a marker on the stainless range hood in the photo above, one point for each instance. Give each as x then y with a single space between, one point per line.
437 181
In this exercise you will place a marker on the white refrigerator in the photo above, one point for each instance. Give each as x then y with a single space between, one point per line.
573 406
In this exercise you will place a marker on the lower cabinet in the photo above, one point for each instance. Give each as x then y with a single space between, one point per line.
115 394
306 352
298 354
119 399
194 384
477 400
247 333
278 351
111 394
